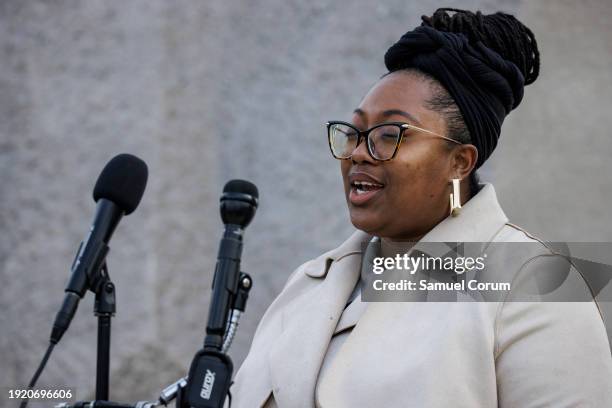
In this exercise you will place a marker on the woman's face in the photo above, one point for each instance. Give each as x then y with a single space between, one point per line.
413 188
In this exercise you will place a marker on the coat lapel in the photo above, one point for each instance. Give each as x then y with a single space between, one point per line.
308 325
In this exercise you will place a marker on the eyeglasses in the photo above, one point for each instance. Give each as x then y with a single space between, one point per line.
382 140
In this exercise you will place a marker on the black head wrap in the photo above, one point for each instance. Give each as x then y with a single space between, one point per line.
484 85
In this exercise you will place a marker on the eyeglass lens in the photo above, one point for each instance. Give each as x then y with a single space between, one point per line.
382 141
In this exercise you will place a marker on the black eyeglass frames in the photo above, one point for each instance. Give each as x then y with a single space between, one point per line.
382 141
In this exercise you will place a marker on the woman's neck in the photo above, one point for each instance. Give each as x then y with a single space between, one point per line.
390 247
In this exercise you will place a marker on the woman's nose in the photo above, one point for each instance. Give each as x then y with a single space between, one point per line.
361 154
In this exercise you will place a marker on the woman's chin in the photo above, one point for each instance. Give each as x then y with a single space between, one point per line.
365 222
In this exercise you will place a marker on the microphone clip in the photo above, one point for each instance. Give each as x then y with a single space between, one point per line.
105 302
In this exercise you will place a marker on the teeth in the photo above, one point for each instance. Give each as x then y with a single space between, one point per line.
362 187
365 184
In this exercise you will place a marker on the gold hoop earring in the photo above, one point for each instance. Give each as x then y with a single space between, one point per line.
455 199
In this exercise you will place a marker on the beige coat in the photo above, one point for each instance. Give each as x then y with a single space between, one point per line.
424 354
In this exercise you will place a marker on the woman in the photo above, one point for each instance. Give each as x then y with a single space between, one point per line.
408 161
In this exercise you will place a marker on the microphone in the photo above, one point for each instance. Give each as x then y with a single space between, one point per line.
117 192
211 369
238 205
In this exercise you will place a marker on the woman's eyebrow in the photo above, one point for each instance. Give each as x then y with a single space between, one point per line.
391 112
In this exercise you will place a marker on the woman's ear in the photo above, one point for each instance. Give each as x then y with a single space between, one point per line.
464 159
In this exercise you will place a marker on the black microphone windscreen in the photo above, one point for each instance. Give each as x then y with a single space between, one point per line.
242 187
122 181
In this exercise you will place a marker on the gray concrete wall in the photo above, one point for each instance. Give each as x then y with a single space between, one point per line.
208 91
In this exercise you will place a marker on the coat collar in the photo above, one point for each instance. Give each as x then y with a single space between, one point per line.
480 220
355 244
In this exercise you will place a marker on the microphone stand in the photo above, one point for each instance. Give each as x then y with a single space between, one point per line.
104 309
177 391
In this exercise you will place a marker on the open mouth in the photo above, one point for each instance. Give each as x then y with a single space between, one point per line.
362 187
363 191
